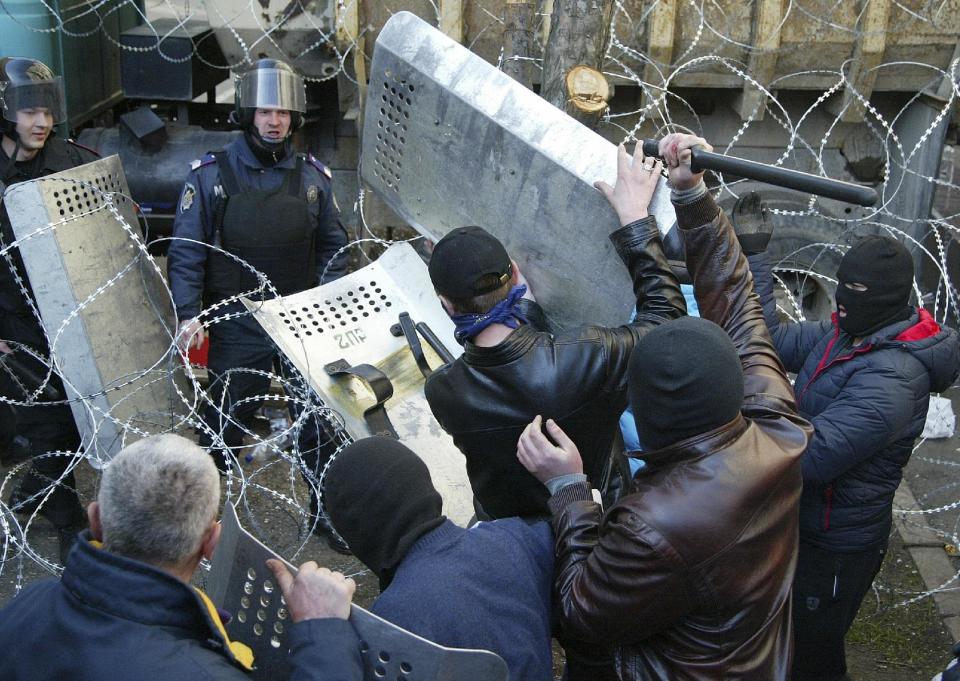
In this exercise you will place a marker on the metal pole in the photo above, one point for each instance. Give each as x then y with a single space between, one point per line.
782 177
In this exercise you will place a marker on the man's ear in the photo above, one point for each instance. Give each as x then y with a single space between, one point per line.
93 515
210 540
516 278
447 305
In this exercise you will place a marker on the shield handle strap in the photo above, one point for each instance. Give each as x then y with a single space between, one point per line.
376 415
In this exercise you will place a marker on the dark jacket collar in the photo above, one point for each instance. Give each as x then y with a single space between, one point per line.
135 591
695 447
53 158
247 157
514 346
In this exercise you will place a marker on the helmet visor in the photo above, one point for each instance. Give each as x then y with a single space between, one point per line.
44 94
271 89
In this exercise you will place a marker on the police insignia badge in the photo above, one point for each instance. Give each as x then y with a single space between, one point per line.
312 193
186 199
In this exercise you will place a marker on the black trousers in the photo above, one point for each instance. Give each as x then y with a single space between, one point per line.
827 591
241 343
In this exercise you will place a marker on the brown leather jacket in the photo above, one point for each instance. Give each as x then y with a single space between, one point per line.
690 574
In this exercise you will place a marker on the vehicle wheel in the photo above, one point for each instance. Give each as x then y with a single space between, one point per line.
805 252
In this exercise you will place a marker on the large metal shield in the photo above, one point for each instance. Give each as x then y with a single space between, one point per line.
241 583
106 310
344 337
449 140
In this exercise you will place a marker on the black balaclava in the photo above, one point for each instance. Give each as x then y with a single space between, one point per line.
684 379
268 153
885 267
380 499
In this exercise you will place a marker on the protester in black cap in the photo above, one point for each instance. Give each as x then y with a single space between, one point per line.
690 574
513 369
863 380
487 587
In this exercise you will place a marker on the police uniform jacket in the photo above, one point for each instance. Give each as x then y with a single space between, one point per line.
189 257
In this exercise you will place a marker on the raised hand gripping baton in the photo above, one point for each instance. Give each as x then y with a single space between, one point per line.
701 159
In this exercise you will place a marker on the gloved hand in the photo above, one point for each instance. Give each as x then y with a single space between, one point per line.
752 224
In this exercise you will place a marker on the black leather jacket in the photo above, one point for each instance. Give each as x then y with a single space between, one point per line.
578 378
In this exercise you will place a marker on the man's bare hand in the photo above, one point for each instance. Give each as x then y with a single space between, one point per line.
520 280
315 593
190 334
637 179
5 349
544 459
675 150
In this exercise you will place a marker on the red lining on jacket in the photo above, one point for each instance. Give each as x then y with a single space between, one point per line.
926 327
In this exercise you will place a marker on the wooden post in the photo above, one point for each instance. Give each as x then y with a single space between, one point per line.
348 33
451 19
868 53
517 39
767 20
661 33
579 35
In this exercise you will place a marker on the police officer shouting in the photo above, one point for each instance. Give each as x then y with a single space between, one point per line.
31 103
274 210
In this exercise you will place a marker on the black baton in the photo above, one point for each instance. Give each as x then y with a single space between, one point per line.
702 159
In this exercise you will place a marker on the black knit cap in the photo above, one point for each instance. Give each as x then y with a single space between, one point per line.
684 379
468 262
885 267
379 497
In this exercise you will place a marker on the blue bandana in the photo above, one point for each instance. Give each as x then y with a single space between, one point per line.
506 312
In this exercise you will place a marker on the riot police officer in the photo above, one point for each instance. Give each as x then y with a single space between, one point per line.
274 210
31 103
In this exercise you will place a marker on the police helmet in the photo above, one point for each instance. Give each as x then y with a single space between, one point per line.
270 84
29 84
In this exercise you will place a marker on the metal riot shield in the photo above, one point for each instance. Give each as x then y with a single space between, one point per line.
105 308
241 583
448 141
347 339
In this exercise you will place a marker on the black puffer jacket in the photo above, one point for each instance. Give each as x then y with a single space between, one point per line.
488 396
867 404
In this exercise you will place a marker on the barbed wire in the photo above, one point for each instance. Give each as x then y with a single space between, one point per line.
714 39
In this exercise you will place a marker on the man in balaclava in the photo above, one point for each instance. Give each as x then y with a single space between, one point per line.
689 575
487 587
863 380
31 103
255 205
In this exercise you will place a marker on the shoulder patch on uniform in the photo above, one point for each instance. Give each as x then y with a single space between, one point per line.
186 199
200 162
319 166
84 147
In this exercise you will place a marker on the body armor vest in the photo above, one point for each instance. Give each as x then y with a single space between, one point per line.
272 231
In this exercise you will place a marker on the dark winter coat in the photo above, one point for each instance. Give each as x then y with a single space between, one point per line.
690 574
110 617
868 404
